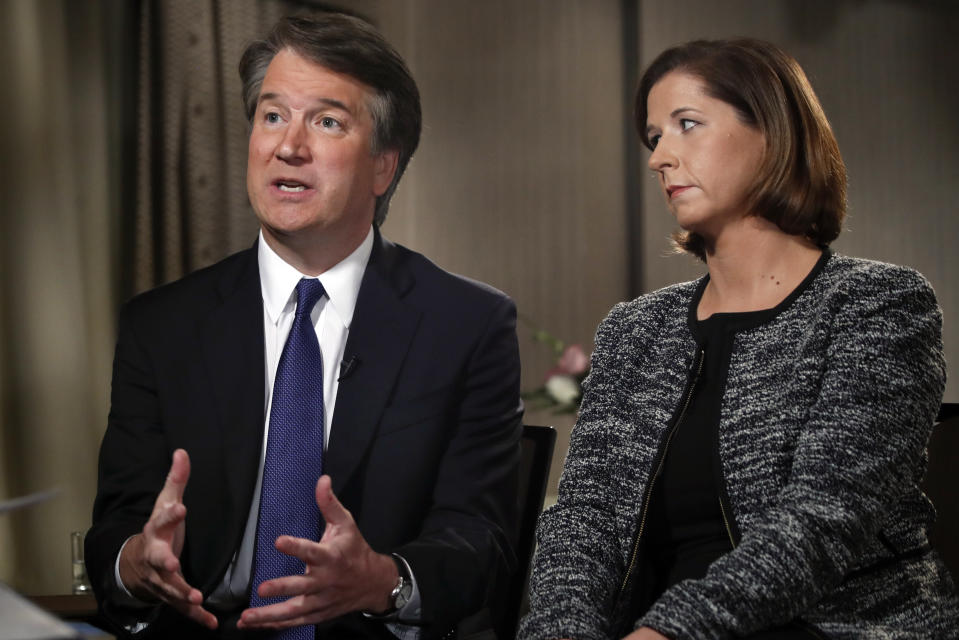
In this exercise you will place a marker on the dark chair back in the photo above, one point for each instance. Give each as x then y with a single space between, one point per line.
536 457
940 485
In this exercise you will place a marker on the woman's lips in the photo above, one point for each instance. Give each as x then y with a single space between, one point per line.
674 191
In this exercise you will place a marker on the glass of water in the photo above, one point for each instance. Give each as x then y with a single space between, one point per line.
80 582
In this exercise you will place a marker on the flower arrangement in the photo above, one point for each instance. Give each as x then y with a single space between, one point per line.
562 387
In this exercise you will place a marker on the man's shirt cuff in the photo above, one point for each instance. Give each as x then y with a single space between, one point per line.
124 598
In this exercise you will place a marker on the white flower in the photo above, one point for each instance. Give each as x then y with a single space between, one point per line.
563 389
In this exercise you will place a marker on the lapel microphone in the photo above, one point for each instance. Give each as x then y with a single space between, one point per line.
347 367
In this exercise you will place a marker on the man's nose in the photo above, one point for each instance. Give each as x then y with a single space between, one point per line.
293 146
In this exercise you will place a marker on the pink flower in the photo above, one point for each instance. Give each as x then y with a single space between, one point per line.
574 360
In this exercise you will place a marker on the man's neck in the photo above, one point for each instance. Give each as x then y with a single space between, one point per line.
314 255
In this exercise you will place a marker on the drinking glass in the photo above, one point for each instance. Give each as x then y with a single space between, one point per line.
80 582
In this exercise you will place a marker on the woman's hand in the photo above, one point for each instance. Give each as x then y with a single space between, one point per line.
645 633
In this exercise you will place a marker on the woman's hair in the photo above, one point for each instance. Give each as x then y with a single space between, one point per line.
801 182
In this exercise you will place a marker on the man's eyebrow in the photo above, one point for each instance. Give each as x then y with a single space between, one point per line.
331 102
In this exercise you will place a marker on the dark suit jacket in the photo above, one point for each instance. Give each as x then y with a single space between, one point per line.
424 443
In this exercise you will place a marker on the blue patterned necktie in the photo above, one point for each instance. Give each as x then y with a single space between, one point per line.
294 454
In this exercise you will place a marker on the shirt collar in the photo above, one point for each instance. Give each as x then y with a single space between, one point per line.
342 281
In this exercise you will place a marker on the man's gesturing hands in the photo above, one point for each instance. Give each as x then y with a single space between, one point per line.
150 561
343 574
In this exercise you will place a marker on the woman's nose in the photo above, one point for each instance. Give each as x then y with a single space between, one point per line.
662 156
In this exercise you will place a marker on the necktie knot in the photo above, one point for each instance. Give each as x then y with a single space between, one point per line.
308 291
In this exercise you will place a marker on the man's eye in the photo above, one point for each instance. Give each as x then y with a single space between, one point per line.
328 122
686 124
272 117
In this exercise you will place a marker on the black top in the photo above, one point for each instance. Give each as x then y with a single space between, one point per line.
686 530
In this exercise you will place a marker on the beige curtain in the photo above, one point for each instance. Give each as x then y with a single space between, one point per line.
191 207
57 298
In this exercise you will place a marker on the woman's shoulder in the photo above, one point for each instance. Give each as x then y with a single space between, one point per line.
872 273
650 313
669 299
862 279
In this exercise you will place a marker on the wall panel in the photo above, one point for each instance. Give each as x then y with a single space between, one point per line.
520 180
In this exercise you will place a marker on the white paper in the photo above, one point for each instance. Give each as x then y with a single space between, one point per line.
23 620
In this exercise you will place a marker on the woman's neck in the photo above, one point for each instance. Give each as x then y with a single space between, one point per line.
754 266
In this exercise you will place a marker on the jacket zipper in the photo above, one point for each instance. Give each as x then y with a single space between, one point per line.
729 530
700 356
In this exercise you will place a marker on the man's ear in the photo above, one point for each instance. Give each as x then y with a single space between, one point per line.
384 169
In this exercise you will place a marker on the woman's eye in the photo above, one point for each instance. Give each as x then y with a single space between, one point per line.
328 122
654 140
272 117
686 124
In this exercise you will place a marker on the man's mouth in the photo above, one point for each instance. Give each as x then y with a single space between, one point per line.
290 186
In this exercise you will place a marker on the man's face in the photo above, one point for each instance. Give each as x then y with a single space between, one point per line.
311 174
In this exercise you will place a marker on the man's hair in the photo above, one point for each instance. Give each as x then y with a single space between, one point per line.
801 181
348 45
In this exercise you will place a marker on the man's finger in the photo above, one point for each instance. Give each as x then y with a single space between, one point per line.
181 588
158 556
310 552
333 512
173 589
289 613
165 516
177 478
198 614
271 613
289 586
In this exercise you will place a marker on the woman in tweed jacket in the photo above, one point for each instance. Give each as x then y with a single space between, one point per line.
748 455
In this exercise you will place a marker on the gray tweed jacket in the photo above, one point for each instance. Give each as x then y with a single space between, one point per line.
825 418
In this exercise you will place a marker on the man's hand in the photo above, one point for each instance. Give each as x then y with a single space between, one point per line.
343 574
150 561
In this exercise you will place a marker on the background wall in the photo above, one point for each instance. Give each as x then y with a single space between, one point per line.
522 180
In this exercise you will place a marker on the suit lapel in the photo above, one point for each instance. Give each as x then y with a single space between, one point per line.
379 338
233 352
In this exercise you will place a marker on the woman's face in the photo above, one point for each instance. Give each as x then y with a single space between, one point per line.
705 156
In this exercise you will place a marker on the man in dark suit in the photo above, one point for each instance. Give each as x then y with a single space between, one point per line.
408 374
